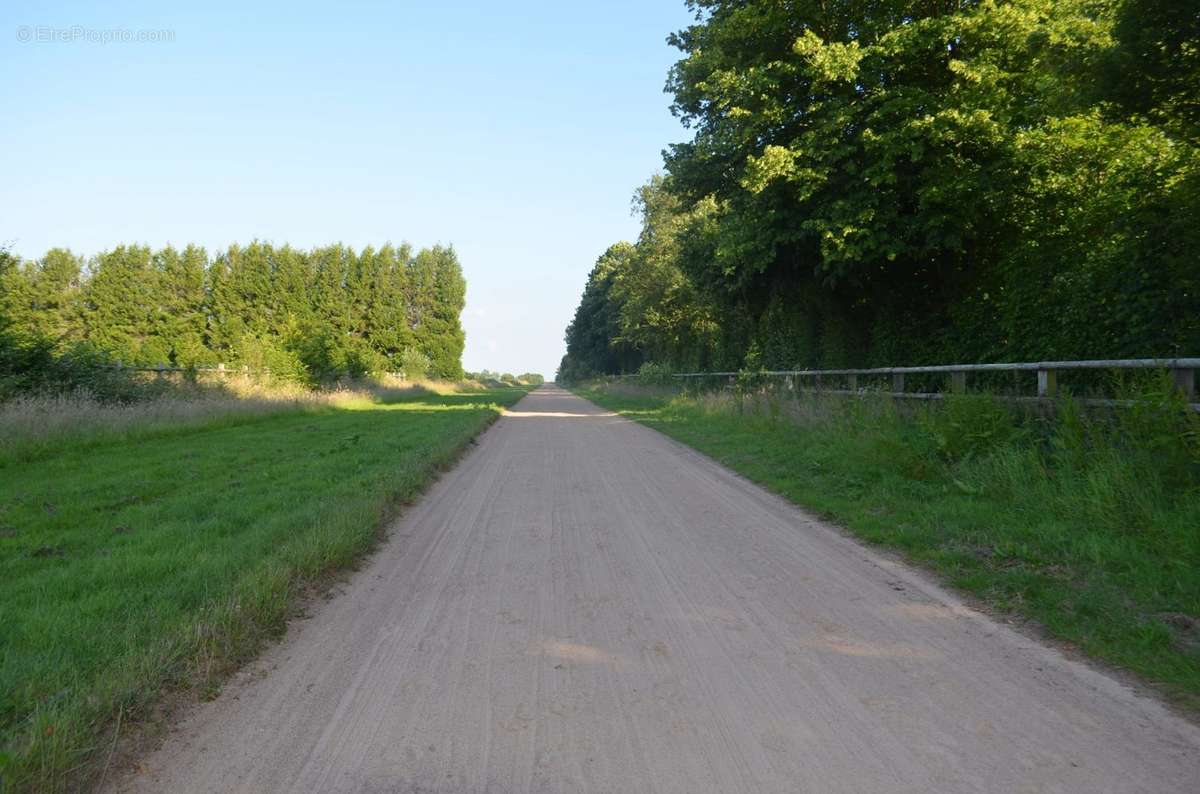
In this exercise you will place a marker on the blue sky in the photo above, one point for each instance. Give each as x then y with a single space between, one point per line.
517 132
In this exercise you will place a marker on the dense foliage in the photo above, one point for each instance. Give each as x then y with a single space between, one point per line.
489 378
303 315
900 183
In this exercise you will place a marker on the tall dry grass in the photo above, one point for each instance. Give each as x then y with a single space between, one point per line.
32 425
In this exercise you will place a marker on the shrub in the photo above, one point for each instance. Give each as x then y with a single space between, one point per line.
268 357
362 359
751 379
35 367
652 374
413 363
967 425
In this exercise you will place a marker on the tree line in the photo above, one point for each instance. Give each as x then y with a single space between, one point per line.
304 315
910 183
525 378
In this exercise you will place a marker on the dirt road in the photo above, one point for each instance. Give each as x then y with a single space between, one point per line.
584 605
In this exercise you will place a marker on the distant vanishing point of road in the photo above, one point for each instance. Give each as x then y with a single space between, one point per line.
583 605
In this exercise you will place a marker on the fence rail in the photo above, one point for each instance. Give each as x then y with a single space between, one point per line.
1183 374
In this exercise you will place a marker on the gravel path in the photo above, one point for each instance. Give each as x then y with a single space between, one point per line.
584 605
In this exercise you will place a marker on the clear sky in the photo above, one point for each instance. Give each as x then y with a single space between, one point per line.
515 131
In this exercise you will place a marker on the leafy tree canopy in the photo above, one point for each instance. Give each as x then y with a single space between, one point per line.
889 183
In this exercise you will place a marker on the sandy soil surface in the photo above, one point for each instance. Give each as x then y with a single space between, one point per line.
584 605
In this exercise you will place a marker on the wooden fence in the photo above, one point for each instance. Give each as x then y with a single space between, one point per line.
853 381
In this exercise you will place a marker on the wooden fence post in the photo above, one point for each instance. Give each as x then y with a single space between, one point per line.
1047 383
852 381
897 382
958 382
1185 381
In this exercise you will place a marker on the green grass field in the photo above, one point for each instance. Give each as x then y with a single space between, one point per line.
1090 527
133 566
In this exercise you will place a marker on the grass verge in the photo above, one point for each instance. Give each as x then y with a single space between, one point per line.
1089 526
39 424
130 566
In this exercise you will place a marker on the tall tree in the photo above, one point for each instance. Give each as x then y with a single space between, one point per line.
890 183
889 167
593 337
1154 69
292 280
661 312
181 277
332 308
243 298
55 300
11 281
385 315
16 298
123 309
439 293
